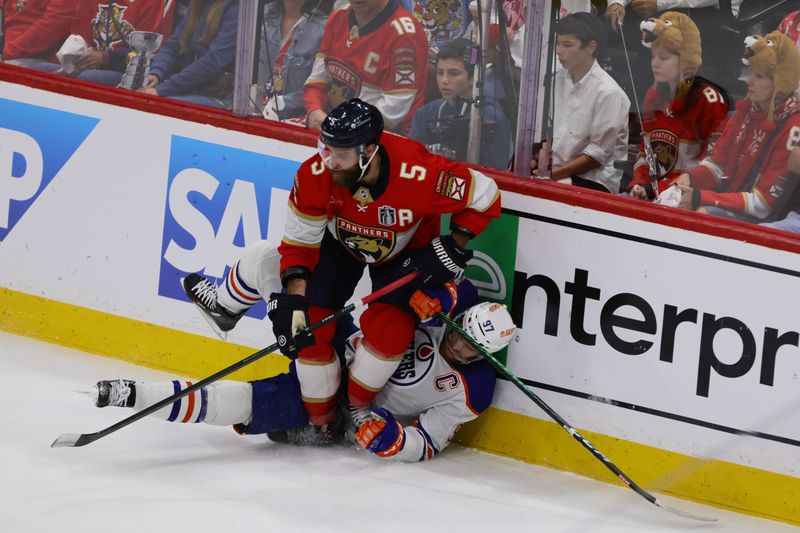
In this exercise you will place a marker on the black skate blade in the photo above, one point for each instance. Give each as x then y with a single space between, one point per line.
221 334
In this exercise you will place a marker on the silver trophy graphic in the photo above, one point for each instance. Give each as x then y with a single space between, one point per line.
143 45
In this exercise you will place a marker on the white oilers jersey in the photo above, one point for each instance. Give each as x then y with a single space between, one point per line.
430 397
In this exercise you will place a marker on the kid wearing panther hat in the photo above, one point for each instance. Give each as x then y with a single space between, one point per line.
743 177
681 110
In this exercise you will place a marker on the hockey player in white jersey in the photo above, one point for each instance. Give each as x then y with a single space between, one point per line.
441 383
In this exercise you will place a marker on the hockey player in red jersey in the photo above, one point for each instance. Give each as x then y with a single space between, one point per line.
681 111
746 173
374 50
365 199
368 200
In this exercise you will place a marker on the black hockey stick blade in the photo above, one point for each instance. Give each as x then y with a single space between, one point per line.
684 514
73 440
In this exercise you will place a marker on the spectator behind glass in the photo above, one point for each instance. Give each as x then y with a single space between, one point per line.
742 177
105 26
291 33
590 127
374 50
195 65
443 125
443 20
681 111
647 8
721 66
35 29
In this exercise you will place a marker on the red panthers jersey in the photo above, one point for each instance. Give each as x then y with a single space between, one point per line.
106 25
746 172
402 209
680 137
385 63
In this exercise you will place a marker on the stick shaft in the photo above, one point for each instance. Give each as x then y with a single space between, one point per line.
84 439
500 367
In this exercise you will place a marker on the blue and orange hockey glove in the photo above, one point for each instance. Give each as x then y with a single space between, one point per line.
381 434
426 303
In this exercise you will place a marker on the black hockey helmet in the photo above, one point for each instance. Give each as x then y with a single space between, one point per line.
353 123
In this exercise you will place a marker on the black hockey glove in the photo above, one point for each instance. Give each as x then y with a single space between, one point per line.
439 262
289 315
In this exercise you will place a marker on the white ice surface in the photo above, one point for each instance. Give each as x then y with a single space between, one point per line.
158 477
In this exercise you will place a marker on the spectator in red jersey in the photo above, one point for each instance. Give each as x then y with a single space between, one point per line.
681 111
34 29
742 178
374 50
105 25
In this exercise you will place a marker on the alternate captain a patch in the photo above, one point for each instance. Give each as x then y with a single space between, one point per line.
451 186
365 243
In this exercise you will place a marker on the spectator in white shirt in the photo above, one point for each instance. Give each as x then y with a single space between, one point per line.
590 127
648 8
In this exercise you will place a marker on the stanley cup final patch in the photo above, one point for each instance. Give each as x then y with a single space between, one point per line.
404 66
387 216
451 186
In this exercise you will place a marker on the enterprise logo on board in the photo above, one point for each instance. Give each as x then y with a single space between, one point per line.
218 201
32 152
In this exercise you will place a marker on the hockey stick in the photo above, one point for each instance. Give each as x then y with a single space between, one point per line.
649 155
500 367
73 440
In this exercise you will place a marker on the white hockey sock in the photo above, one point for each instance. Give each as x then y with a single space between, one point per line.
319 381
252 278
369 372
223 403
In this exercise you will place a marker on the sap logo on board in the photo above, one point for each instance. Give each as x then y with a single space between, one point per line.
218 202
35 144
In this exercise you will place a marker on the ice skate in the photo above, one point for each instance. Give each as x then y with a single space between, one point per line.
310 435
204 294
114 393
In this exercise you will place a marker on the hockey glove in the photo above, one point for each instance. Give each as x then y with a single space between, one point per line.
381 434
439 262
431 301
289 316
